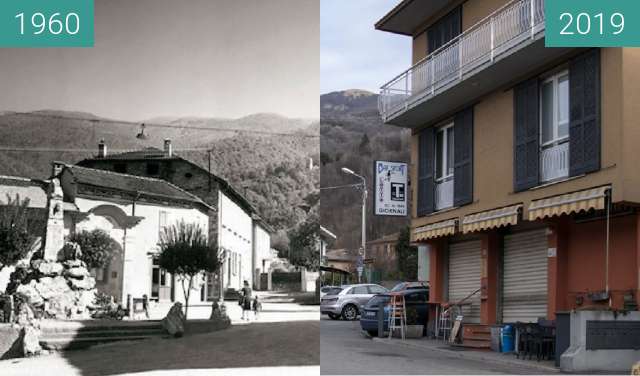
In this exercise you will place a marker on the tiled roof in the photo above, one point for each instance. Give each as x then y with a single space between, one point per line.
131 183
146 153
155 153
392 238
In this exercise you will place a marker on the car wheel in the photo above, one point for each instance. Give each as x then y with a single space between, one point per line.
333 316
349 312
373 333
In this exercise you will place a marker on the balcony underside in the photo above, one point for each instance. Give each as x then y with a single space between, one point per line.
426 107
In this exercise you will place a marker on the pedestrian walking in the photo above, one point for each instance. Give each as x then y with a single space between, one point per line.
246 301
257 307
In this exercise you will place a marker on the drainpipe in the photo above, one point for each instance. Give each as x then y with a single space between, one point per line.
606 272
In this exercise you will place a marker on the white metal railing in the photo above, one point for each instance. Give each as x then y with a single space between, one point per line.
444 194
554 162
515 23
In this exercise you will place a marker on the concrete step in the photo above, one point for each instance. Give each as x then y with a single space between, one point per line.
476 344
68 335
73 343
477 337
102 333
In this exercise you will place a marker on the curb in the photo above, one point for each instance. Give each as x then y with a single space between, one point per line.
475 356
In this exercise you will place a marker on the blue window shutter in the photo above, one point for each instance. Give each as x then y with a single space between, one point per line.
426 188
584 113
526 158
463 157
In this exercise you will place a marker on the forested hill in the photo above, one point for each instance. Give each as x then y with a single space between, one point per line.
272 170
353 136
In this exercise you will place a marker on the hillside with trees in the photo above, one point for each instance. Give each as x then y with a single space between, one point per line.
353 136
273 171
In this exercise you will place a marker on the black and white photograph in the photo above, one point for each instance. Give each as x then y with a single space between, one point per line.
159 193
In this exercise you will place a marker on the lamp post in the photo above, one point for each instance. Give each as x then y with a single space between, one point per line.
364 209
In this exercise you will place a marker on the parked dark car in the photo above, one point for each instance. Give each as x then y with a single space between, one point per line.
415 300
410 286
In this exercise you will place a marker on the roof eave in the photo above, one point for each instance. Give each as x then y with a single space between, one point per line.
409 15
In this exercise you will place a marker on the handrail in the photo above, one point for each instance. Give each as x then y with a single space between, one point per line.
441 48
459 302
482 43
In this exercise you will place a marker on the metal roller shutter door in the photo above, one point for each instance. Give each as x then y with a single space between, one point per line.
525 277
464 277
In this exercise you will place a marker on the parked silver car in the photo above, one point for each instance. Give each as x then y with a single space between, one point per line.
349 301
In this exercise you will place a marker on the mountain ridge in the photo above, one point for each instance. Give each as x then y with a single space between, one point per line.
274 169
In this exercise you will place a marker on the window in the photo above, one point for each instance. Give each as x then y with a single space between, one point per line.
377 290
153 168
416 297
554 109
120 167
359 290
163 221
554 127
444 153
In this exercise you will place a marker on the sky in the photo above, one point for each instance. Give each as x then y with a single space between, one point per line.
353 55
155 58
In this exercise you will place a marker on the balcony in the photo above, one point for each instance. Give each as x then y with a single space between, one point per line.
554 162
444 194
502 47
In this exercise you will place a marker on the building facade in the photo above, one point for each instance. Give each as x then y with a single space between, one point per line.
134 211
233 224
384 264
524 190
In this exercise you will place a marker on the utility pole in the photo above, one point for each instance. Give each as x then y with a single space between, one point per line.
364 212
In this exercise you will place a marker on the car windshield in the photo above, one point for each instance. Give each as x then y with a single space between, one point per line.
376 300
408 286
332 290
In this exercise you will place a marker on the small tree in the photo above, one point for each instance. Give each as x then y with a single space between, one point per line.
185 253
303 244
17 233
97 246
407 256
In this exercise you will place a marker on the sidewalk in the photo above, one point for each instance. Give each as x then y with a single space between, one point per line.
544 366
276 307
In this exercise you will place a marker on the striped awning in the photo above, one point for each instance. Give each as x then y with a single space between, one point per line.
435 230
575 202
491 218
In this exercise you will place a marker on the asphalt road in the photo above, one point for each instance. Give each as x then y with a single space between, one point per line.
345 350
270 348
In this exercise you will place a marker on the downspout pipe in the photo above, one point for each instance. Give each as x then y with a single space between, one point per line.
606 272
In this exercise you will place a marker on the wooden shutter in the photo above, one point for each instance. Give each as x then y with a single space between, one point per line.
463 157
426 189
584 113
526 160
445 29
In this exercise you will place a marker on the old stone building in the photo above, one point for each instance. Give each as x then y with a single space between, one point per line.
240 233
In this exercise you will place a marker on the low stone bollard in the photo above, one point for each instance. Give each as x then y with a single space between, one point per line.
30 341
173 323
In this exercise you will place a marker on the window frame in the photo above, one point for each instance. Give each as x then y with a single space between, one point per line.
446 130
555 80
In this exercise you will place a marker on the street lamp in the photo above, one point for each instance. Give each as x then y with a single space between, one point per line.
364 209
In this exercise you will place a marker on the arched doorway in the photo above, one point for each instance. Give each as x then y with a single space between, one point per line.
112 220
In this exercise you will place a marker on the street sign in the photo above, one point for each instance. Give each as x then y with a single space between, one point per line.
359 269
390 196
359 261
369 260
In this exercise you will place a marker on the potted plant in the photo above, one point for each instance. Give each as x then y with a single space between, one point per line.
413 329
